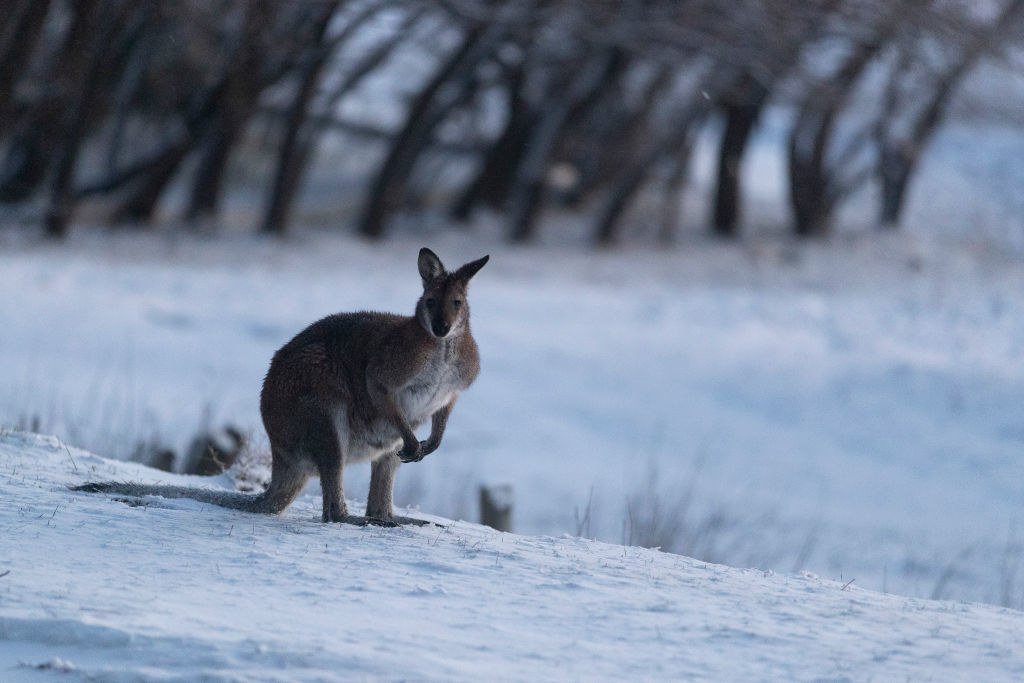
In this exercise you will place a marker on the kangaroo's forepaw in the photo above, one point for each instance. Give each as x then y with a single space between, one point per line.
415 452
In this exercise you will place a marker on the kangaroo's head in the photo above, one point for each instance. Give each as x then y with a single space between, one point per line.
442 309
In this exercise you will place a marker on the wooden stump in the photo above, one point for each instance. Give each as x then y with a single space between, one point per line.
496 507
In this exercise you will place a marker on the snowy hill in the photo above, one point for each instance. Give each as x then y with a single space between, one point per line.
850 408
96 588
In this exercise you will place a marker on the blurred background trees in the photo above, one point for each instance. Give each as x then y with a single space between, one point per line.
141 110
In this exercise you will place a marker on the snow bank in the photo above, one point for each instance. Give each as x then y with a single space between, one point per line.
100 589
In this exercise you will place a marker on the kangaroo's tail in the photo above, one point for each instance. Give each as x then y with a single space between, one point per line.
263 502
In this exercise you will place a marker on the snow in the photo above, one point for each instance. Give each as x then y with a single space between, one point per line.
850 409
173 589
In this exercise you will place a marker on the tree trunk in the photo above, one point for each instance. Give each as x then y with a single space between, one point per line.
30 153
292 158
527 193
240 94
895 169
491 183
814 187
105 67
808 191
428 109
293 154
141 203
153 177
635 175
600 167
208 180
669 228
18 42
739 124
899 158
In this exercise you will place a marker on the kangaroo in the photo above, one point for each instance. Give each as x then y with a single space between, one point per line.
351 388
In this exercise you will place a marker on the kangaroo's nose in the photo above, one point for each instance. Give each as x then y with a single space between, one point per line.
441 328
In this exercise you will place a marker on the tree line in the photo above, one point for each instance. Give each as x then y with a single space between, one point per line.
526 105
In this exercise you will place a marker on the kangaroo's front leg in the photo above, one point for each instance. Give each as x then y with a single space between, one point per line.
390 410
438 422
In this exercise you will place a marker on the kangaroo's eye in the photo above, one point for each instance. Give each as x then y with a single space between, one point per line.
456 303
431 303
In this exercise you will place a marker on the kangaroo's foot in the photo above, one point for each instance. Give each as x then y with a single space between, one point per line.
409 520
359 520
382 521
356 520
335 512
391 521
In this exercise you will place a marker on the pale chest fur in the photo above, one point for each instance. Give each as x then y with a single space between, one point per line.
433 386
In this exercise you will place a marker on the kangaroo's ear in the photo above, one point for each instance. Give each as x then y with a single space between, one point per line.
470 269
430 265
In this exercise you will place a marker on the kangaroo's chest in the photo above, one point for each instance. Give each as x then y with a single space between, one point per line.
431 388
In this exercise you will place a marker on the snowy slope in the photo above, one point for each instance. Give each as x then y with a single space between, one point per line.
99 589
851 409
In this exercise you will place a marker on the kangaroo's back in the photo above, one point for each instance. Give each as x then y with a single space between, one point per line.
326 362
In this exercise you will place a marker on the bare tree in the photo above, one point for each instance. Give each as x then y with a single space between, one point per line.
18 39
579 93
30 152
300 132
818 180
243 82
118 25
584 106
448 87
782 36
924 98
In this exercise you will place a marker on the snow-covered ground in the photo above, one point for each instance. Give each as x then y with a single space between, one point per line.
94 589
852 409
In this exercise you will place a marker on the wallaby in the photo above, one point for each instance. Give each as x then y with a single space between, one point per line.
352 388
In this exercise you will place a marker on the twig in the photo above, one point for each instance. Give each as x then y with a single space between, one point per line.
68 451
847 584
3 574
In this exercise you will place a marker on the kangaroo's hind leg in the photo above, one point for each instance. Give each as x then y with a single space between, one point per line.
382 482
379 502
334 509
288 477
321 443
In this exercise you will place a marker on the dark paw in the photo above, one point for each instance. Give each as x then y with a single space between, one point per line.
412 454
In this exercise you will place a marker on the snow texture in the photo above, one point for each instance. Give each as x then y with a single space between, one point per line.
851 409
168 589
